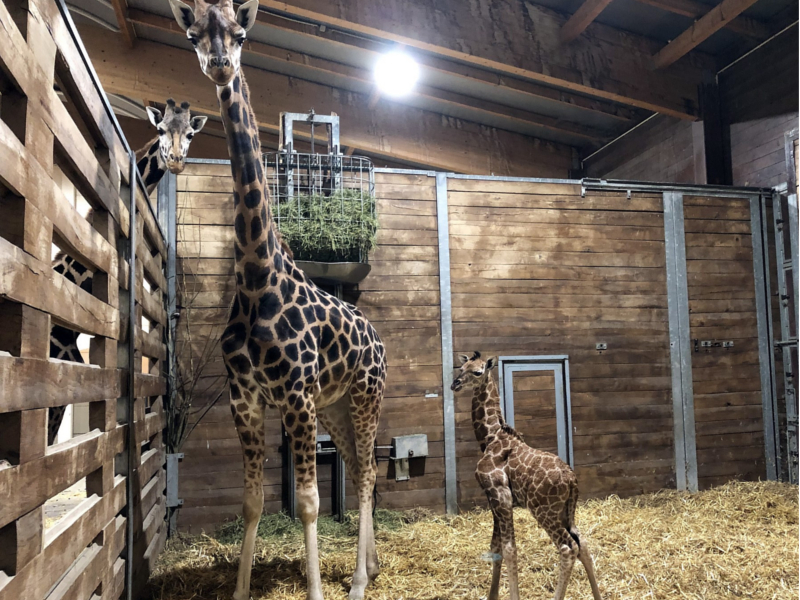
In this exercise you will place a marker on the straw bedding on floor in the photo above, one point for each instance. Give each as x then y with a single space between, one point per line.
739 540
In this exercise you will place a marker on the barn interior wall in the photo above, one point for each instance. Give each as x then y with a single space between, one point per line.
662 149
759 104
536 269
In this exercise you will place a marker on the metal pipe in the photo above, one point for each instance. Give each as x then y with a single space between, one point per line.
129 480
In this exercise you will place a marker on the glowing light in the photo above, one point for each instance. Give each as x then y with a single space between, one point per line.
396 74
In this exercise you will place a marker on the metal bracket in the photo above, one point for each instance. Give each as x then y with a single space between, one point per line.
404 448
173 460
601 346
708 344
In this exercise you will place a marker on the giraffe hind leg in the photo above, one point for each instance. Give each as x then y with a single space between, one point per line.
364 414
585 556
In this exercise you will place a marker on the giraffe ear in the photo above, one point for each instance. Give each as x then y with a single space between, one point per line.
463 358
184 14
491 363
154 115
197 123
246 15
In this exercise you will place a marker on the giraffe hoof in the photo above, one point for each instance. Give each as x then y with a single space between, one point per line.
357 592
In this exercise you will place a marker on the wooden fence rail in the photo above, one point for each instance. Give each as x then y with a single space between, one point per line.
58 134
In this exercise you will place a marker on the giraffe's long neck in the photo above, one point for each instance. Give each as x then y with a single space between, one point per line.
260 260
487 418
150 164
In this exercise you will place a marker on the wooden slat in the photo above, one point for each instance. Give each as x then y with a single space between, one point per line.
32 282
742 25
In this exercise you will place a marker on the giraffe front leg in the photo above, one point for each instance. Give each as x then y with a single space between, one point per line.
301 426
497 560
251 437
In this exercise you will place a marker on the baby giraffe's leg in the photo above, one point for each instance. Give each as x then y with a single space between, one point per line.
585 556
497 561
502 505
568 554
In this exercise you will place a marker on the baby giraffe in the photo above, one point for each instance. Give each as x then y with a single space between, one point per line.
512 473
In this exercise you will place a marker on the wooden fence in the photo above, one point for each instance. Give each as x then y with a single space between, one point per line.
57 133
536 268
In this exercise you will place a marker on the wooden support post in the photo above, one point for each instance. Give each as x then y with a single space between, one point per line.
713 135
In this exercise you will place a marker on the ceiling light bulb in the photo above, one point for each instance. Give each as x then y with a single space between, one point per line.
396 74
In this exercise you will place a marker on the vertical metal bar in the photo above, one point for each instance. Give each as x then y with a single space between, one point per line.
571 461
786 337
450 484
508 397
339 469
167 210
131 438
765 355
679 342
561 417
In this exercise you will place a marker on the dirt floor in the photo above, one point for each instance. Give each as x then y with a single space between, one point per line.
736 541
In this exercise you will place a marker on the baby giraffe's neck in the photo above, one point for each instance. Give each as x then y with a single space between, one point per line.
487 418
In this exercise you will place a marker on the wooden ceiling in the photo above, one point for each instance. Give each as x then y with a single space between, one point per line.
539 85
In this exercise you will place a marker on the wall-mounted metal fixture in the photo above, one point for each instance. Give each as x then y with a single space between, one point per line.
173 460
404 448
708 344
601 346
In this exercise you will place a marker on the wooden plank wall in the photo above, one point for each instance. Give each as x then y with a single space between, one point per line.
400 297
536 270
727 385
83 554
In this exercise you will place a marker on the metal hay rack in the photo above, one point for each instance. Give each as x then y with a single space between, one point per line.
321 186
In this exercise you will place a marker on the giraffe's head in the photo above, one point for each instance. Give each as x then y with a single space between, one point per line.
217 34
473 371
176 128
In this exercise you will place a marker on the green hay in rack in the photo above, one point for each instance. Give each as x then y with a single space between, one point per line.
338 228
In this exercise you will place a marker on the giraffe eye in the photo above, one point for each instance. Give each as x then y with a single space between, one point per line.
240 40
477 372
189 136
193 40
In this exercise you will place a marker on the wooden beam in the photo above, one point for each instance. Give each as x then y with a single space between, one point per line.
449 103
125 26
701 30
397 132
581 19
742 25
611 64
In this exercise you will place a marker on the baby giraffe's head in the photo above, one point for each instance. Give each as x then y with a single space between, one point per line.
176 128
473 372
217 34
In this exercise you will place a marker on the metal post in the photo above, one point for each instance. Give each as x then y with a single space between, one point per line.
130 476
680 343
766 358
450 484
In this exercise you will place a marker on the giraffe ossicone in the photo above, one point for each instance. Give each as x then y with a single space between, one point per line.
288 345
512 473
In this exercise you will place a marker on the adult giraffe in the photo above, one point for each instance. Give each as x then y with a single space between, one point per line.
288 345
166 152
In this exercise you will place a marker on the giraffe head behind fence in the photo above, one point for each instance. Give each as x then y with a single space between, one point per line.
176 128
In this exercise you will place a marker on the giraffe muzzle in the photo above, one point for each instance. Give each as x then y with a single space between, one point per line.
456 386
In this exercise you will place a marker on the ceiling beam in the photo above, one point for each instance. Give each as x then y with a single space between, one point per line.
608 63
448 103
581 19
125 26
401 133
701 30
742 25
443 66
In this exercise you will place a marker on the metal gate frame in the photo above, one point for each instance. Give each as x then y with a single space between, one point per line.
559 365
